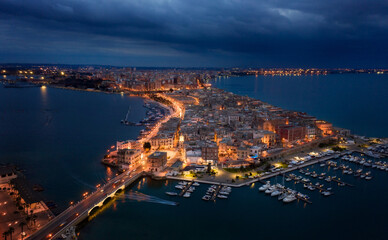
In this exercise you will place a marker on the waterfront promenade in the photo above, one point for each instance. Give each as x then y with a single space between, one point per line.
261 179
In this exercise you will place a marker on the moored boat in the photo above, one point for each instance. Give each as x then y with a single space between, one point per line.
172 193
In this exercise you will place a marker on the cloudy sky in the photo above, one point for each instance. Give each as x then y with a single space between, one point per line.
256 33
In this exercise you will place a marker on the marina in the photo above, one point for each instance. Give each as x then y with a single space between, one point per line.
154 113
308 176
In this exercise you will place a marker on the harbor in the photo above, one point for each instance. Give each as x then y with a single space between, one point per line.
325 176
247 199
154 113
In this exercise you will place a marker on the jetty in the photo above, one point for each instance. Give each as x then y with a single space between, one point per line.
303 199
184 190
216 192
341 182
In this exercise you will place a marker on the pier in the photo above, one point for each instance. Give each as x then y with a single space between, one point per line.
216 192
308 183
184 190
341 182
303 199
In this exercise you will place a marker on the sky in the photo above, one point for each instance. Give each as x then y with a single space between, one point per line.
196 33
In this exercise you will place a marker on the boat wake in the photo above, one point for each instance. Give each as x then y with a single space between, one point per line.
141 197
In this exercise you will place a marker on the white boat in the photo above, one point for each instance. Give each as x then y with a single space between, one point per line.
368 177
305 180
326 193
224 193
196 184
275 193
179 186
282 196
270 190
222 196
172 193
289 198
186 195
182 183
264 187
206 197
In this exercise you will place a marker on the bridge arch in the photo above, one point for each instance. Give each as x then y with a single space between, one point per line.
107 200
94 210
118 190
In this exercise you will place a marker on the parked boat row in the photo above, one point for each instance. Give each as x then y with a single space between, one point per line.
284 194
378 150
186 189
381 165
312 174
153 115
213 191
311 186
349 171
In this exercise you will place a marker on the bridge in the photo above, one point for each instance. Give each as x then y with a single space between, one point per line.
81 211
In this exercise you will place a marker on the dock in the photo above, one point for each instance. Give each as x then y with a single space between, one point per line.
303 199
338 181
307 183
184 190
216 192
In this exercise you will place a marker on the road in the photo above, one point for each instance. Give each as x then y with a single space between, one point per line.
177 110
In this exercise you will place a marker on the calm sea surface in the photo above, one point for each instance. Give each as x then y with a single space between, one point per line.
59 136
358 102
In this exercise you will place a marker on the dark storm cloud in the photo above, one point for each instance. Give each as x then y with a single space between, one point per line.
232 32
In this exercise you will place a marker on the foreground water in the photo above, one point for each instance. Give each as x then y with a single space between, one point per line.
354 101
59 136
